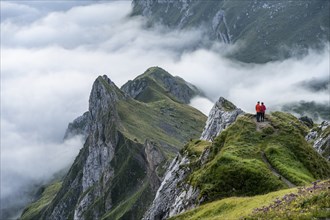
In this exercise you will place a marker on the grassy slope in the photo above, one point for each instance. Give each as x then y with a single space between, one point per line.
155 114
304 206
231 208
236 168
34 209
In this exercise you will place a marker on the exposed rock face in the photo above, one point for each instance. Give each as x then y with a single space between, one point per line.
97 170
320 138
91 170
223 114
307 121
134 88
154 158
173 196
79 126
119 170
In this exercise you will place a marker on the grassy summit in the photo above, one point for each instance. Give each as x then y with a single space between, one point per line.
244 157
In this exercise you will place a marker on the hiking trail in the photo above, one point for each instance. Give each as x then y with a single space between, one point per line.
274 171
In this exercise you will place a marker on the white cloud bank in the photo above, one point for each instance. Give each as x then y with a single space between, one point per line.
51 53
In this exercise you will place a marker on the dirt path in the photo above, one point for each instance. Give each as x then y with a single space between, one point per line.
261 125
274 171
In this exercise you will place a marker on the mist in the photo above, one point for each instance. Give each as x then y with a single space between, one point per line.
52 52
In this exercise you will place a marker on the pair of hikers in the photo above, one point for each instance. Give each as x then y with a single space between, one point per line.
260 109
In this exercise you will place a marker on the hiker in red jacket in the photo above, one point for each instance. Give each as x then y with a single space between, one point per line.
258 110
262 112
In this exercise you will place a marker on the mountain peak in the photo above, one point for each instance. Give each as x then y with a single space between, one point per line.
103 97
156 84
155 71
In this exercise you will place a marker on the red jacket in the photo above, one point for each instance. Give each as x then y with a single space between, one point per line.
258 108
262 108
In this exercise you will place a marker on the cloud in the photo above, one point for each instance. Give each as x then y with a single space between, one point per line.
276 83
52 52
202 103
27 162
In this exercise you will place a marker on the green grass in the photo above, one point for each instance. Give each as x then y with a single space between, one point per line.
33 210
157 115
300 203
230 208
164 121
236 168
126 205
196 147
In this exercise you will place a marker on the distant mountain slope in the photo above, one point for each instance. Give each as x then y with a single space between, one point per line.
119 169
156 82
267 30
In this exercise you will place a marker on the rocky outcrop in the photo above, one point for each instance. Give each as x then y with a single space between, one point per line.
97 170
79 126
91 170
173 196
155 159
307 121
134 88
320 138
223 114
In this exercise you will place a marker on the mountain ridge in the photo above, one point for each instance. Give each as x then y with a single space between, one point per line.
254 25
125 154
125 169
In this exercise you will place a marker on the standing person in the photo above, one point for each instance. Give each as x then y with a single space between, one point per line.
263 109
258 110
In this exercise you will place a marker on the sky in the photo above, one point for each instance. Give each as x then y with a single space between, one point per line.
52 51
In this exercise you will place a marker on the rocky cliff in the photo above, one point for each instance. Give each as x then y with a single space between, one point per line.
320 138
252 24
223 114
128 144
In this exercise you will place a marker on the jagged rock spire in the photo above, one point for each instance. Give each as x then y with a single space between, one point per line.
223 114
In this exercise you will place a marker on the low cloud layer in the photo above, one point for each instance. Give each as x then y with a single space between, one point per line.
51 53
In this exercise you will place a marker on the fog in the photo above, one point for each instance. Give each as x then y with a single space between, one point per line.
51 52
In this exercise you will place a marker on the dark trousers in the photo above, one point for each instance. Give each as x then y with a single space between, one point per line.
262 116
258 116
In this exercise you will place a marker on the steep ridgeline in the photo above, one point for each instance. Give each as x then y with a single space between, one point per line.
245 159
320 138
174 195
160 81
267 29
120 167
